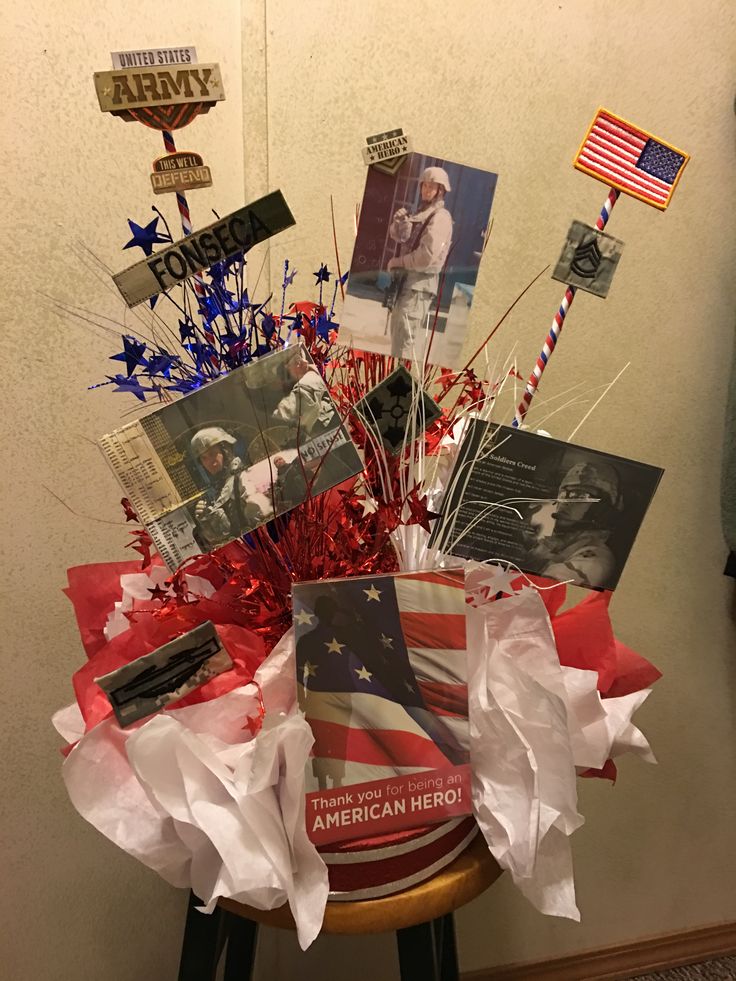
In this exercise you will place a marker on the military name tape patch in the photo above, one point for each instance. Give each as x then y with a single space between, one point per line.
224 238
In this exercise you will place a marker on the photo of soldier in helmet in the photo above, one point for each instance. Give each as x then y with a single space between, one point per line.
418 247
425 238
573 533
228 505
233 455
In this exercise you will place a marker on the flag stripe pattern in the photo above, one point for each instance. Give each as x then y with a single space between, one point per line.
450 700
438 665
378 747
433 630
382 674
630 159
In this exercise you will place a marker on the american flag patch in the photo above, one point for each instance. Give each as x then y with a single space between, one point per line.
630 159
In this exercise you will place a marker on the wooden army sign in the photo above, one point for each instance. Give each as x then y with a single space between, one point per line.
224 238
180 171
163 98
134 88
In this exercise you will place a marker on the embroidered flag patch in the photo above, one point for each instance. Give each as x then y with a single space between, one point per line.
628 158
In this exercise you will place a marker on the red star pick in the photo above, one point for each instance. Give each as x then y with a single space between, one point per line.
130 514
420 513
141 543
254 724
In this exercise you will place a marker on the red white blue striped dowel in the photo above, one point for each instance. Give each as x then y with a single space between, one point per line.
556 327
544 355
186 226
602 219
181 201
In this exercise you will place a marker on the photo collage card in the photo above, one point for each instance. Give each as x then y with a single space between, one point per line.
228 458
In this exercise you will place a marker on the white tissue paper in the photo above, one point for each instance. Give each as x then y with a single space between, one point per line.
532 723
193 796
136 588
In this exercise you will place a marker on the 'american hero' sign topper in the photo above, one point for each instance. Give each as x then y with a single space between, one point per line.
235 233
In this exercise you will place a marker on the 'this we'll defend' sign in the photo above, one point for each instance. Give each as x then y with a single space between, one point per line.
179 171
224 238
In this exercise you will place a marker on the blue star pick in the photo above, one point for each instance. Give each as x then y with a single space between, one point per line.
161 364
268 325
186 329
132 353
323 274
145 237
132 385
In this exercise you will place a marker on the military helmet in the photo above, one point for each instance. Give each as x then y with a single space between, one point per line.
211 436
438 175
596 477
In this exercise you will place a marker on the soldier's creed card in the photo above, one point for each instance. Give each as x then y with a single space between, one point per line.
550 508
226 459
382 681
420 239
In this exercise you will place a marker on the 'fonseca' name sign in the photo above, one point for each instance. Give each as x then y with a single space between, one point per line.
226 237
135 89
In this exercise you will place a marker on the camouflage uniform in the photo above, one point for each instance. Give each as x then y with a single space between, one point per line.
426 237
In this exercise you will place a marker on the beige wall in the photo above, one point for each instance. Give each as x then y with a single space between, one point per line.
510 87
72 907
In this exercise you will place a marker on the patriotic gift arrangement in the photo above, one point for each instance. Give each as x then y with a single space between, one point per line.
344 648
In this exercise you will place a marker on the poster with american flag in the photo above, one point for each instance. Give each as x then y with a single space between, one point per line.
630 159
382 680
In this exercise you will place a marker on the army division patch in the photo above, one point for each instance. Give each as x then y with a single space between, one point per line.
588 259
398 410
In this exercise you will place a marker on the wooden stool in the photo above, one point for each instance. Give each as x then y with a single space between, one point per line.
421 917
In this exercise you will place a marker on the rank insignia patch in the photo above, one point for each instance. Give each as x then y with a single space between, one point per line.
588 259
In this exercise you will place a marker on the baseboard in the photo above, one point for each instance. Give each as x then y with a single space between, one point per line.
624 960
